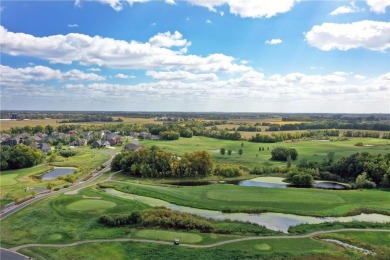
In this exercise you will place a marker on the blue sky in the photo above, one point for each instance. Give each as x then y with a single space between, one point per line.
196 55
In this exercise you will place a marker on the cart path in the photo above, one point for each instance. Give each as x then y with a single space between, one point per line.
310 235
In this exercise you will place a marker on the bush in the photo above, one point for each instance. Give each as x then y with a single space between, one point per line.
300 179
165 218
282 153
362 182
169 135
359 144
67 153
228 171
116 220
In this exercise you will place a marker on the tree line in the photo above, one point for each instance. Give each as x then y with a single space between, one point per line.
19 156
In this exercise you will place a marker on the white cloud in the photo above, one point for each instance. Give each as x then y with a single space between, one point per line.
169 40
73 25
346 9
242 8
209 21
274 41
94 69
123 76
181 75
42 73
87 50
371 35
378 6
359 77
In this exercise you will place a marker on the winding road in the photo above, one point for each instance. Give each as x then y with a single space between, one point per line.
14 249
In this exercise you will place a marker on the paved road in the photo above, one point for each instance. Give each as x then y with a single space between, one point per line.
197 246
13 209
6 254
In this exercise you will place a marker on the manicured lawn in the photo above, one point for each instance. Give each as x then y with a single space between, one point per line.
310 150
166 235
279 249
238 198
65 218
90 204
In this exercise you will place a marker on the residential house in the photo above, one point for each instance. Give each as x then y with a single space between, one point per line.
44 147
11 141
79 142
132 147
100 144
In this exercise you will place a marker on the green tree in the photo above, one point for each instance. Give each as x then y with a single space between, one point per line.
289 161
222 151
229 152
240 151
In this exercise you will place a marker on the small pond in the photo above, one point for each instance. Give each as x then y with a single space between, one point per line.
56 172
273 221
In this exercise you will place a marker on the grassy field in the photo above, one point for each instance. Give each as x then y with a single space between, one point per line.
265 249
14 183
310 150
65 218
237 198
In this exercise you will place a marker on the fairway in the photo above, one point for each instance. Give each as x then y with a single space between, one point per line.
312 150
225 197
8 179
90 204
263 247
184 237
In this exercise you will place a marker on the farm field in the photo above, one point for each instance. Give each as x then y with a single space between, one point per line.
224 197
251 157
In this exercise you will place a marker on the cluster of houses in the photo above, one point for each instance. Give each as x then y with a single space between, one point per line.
99 139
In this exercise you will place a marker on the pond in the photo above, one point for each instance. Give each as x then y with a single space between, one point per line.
265 182
274 221
56 172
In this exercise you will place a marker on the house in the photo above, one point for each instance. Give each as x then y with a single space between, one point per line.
11 141
79 142
132 147
115 139
100 144
44 147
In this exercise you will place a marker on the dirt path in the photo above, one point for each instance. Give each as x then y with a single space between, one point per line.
197 246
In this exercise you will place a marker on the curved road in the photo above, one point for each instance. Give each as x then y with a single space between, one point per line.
14 249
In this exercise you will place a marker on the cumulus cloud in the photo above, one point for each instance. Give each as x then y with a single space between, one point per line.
42 73
371 35
97 50
181 75
274 41
242 8
378 6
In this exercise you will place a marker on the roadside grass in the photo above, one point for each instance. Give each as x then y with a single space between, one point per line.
232 198
264 249
310 150
51 221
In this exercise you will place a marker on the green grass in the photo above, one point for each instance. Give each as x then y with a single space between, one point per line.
310 150
90 205
225 197
280 249
13 183
51 221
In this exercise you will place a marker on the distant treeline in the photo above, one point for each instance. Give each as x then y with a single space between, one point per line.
331 125
280 137
91 118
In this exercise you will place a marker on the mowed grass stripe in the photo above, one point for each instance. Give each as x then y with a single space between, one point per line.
224 197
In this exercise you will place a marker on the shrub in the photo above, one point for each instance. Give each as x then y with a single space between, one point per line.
67 153
228 171
359 144
362 182
116 220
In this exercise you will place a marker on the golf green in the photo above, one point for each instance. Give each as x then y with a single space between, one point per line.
8 179
90 204
169 235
